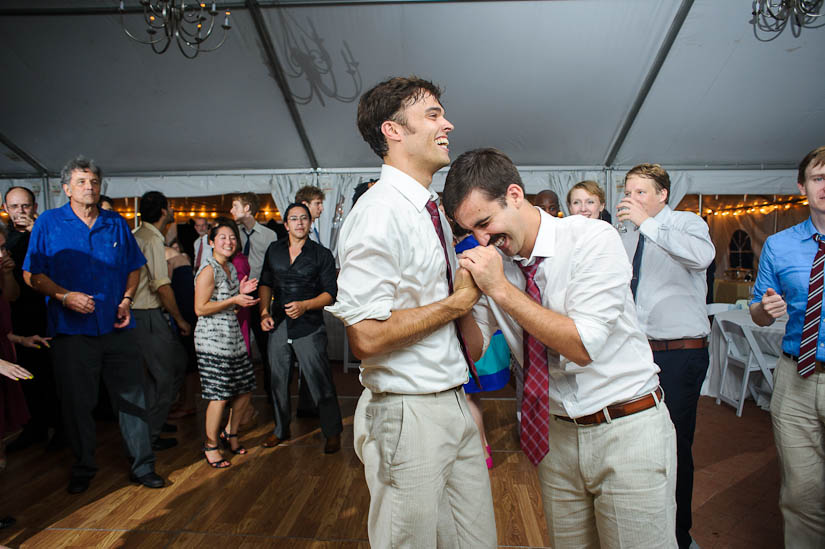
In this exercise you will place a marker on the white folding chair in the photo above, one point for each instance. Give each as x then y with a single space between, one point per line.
744 352
714 308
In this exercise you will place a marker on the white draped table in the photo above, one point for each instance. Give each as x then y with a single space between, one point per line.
769 339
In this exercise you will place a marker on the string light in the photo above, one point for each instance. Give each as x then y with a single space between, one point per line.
763 207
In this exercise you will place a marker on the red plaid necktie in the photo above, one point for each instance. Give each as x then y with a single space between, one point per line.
813 314
535 407
435 216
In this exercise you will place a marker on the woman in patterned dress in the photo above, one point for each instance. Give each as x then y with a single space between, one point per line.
225 369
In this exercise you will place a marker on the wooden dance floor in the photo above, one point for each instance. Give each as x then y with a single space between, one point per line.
294 496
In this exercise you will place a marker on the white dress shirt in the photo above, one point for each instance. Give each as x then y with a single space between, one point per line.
585 276
261 238
314 233
391 258
202 244
672 291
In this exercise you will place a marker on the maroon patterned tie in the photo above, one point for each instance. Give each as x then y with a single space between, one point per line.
813 314
535 407
435 216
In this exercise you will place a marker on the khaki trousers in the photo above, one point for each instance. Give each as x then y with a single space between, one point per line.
798 416
611 485
425 469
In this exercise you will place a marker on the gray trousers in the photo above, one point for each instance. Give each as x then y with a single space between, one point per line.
165 358
79 362
311 353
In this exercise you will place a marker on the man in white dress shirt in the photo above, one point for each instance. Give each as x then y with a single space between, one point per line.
255 241
593 418
670 252
313 197
423 461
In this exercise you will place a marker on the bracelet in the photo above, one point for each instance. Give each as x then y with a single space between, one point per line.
63 301
129 298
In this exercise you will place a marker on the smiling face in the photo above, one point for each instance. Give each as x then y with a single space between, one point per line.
813 188
586 204
423 138
497 224
225 243
83 188
643 189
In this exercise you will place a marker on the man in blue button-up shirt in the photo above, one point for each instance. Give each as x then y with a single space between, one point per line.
798 403
87 263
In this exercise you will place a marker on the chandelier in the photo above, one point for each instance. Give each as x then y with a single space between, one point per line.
190 25
772 16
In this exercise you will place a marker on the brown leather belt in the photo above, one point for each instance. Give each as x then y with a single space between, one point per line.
677 344
621 409
819 365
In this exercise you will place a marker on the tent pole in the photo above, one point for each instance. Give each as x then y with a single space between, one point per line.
700 204
650 78
775 217
46 198
136 212
278 72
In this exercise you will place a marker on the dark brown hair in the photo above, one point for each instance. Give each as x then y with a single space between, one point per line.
488 170
387 101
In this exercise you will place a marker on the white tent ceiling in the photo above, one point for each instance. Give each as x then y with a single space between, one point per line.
552 83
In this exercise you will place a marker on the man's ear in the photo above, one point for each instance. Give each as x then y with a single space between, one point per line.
516 194
391 130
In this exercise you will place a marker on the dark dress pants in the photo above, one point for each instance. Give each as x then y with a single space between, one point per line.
681 378
311 354
165 359
79 362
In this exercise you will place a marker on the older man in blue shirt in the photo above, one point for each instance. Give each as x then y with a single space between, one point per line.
87 263
790 280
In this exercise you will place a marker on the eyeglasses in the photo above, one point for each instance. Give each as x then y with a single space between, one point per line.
298 218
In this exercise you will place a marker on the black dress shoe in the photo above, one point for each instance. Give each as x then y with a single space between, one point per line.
150 480
168 428
78 485
164 443
5 522
333 444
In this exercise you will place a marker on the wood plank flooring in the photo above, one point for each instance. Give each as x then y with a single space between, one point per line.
294 496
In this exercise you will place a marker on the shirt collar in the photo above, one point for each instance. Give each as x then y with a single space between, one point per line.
663 215
152 229
104 216
253 229
806 229
545 245
412 190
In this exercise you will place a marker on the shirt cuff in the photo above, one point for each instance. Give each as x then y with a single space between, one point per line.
650 228
593 336
353 314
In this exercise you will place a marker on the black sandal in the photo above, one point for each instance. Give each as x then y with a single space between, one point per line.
224 437
220 464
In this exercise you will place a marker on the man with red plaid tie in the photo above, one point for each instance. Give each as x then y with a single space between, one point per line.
405 313
790 281
594 420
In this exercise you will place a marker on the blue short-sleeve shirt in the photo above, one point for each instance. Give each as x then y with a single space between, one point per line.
785 265
94 261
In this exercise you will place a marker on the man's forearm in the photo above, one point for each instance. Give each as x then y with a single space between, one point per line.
556 331
265 294
319 302
759 316
167 299
46 286
405 327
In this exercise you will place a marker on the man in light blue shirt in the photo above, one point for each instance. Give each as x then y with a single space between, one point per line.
798 401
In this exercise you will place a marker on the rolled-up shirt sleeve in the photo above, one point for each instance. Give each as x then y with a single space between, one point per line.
156 265
370 273
483 315
598 292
